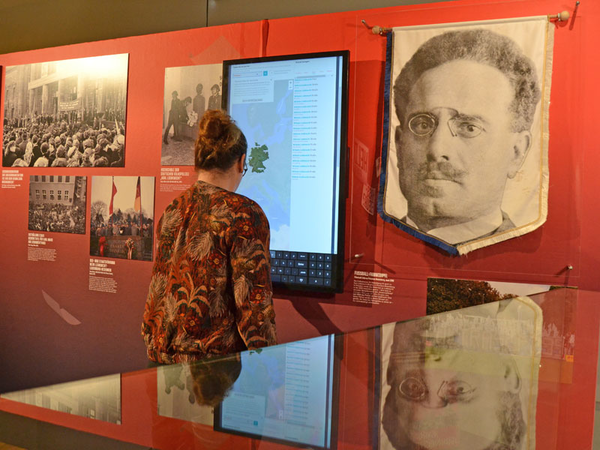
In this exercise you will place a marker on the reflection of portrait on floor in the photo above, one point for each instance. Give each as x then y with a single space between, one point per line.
454 384
465 102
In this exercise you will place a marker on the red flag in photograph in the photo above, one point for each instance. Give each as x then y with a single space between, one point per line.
112 197
137 205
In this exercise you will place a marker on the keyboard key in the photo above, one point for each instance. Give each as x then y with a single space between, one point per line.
279 255
301 280
312 265
312 273
327 274
293 255
327 282
312 257
275 278
273 254
315 281
320 265
303 256
288 271
302 272
320 258
328 258
295 271
280 270
327 266
286 255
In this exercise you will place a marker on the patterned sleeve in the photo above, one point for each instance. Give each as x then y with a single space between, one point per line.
251 276
156 314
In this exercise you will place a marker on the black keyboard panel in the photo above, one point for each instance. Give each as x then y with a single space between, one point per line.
302 269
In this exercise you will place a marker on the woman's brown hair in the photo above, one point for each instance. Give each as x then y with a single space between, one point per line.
220 142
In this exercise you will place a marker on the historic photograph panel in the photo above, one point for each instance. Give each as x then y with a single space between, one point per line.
122 217
189 92
67 113
57 203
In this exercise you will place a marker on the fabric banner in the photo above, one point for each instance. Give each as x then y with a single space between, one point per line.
465 151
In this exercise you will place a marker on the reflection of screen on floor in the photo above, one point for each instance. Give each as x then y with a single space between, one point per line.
283 393
292 111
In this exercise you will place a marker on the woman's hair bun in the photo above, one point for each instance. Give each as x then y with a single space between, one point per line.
214 124
220 142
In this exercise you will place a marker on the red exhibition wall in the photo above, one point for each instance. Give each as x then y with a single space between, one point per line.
39 348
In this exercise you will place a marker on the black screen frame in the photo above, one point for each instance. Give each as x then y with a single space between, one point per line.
337 285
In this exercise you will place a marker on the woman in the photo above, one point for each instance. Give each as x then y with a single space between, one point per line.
210 292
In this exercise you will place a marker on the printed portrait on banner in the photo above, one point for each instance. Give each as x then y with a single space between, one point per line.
68 113
464 163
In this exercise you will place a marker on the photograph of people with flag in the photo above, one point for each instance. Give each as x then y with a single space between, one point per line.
122 217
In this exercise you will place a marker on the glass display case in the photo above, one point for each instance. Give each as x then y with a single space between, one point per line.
518 374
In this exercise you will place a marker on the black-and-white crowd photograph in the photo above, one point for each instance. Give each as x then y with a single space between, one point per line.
68 113
122 217
189 92
57 203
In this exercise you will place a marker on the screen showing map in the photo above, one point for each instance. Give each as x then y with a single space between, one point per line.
292 112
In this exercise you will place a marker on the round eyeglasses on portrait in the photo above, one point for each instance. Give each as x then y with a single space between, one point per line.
415 389
425 124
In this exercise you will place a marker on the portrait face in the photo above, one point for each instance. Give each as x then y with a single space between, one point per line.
455 145
444 398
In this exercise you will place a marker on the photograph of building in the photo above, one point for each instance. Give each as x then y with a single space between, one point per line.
57 203
66 113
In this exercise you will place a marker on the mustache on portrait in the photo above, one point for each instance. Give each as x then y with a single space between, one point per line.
442 170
